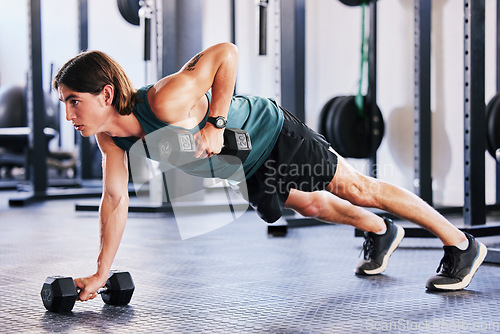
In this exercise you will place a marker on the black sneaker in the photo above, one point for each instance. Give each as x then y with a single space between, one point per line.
378 248
457 266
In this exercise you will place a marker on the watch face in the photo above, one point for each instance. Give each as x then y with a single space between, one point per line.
219 123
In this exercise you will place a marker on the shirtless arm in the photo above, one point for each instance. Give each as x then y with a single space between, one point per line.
112 214
174 96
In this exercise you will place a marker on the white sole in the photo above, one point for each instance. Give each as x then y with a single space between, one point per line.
465 282
399 236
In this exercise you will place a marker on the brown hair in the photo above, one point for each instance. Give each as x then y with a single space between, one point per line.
90 71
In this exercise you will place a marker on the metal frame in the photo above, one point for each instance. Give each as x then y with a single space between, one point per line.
85 167
422 110
38 149
83 24
263 22
182 33
371 95
498 90
474 209
232 11
474 113
292 80
35 104
493 255
293 63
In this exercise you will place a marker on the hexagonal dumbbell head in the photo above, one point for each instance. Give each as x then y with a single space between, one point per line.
176 147
119 288
59 294
237 146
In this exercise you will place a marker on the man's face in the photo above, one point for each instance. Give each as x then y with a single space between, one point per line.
84 110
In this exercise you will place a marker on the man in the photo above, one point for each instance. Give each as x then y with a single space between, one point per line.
100 101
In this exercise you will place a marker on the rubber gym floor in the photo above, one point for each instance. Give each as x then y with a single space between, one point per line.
233 280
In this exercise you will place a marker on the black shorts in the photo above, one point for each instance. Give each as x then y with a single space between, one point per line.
300 160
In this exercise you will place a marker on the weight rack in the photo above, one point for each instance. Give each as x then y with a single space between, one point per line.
38 149
474 209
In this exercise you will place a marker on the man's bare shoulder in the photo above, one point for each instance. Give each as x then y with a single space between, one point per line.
172 97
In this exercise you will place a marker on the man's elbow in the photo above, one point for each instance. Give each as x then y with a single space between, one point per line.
232 49
116 199
229 50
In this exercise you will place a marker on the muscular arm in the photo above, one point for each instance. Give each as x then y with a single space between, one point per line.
112 213
217 71
175 96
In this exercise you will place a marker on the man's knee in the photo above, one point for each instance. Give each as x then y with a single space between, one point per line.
358 189
313 206
364 193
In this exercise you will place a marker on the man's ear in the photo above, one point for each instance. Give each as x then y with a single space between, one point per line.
108 92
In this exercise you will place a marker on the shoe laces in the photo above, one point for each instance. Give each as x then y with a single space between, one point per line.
368 247
447 262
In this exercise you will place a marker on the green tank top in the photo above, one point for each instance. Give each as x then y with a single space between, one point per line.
260 117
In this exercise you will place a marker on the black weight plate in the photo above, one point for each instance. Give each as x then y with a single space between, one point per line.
493 125
489 106
130 10
356 145
340 142
324 114
353 3
13 107
378 126
329 126
351 131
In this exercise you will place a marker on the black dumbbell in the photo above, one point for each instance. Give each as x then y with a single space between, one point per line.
237 145
59 293
178 147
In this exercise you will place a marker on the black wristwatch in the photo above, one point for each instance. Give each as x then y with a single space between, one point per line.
219 122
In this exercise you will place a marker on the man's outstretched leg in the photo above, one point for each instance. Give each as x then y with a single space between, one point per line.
463 254
382 236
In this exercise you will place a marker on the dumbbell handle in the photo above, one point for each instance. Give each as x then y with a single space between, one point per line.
102 290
